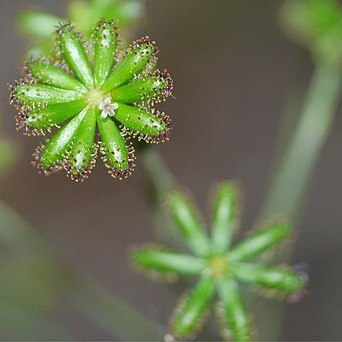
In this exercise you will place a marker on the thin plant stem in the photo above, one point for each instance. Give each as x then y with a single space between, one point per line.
112 313
102 306
314 124
160 182
159 176
294 170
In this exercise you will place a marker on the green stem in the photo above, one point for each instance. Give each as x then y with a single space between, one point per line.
109 311
159 176
314 124
113 314
160 181
18 235
294 170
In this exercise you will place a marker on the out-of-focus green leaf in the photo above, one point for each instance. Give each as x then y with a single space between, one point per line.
259 242
235 314
317 24
164 262
269 277
224 217
38 24
29 299
24 283
188 222
82 14
189 314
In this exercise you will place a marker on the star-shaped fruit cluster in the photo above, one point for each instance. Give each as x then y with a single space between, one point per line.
218 266
89 87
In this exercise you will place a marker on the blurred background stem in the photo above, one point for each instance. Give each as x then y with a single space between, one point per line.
102 306
159 177
159 182
112 313
294 168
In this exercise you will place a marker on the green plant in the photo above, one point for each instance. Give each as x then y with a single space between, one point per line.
79 90
218 265
104 86
317 24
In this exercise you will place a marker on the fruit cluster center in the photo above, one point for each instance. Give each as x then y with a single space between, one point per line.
95 98
218 266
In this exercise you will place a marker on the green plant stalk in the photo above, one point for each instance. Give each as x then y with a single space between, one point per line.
314 124
294 170
160 182
109 311
158 174
112 313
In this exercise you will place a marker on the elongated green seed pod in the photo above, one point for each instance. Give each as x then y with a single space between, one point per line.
105 38
117 156
269 277
42 95
260 242
52 115
224 217
53 75
74 54
235 314
81 158
188 223
143 90
133 64
145 125
55 149
189 313
164 262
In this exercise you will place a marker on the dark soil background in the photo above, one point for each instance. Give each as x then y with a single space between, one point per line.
234 70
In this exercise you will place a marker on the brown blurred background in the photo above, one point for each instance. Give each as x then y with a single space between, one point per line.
233 71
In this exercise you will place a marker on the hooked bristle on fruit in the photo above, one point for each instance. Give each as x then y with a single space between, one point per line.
149 138
81 175
36 162
114 169
91 85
